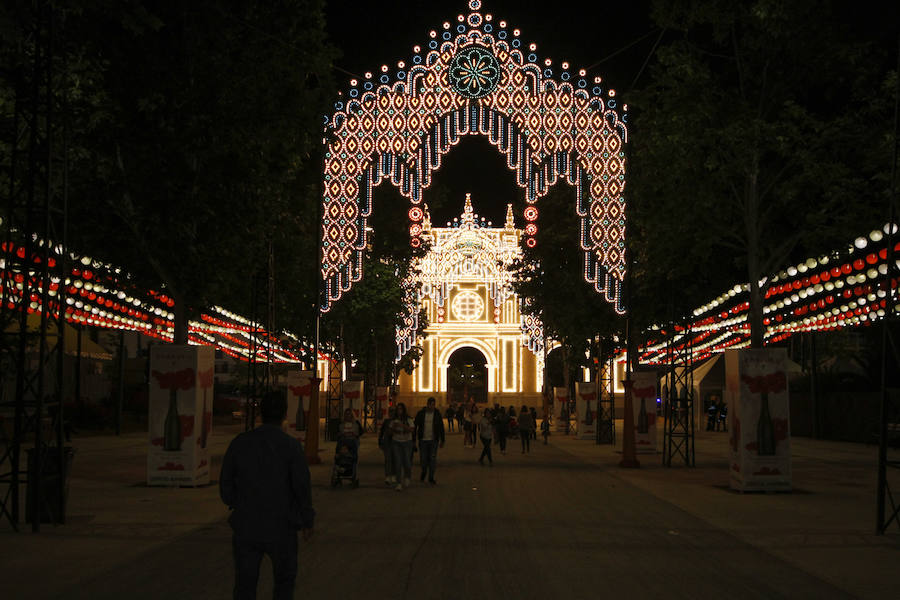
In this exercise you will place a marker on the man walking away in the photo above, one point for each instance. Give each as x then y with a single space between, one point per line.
430 434
265 481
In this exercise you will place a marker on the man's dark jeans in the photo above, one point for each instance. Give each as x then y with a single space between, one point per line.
247 558
428 457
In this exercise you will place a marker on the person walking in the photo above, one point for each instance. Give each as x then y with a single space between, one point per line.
533 423
526 428
429 435
502 421
402 430
384 442
449 414
265 482
545 427
486 433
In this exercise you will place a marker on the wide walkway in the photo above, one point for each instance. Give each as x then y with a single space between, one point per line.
561 522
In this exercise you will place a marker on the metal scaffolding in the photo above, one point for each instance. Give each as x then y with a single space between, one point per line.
260 378
678 400
606 404
33 281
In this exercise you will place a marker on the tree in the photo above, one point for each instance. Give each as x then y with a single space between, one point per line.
745 146
366 318
204 144
550 283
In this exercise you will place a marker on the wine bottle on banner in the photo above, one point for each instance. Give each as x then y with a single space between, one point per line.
765 429
642 424
589 417
172 433
300 419
204 427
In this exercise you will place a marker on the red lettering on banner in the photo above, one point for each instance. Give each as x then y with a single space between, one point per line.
351 395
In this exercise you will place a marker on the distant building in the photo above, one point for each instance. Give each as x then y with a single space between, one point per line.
477 342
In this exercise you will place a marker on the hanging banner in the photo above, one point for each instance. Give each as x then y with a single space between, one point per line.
299 393
759 413
382 402
352 398
586 410
561 409
643 405
179 414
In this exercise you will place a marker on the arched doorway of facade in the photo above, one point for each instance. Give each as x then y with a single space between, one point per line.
467 375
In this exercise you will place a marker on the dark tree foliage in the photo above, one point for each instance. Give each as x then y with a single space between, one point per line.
195 140
365 319
549 279
758 140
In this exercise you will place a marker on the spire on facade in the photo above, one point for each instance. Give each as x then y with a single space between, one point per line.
468 216
510 221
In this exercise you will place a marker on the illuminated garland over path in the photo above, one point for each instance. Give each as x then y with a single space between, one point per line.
843 289
98 294
475 79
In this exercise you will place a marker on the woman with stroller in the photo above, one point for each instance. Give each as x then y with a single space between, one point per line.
402 428
350 432
384 442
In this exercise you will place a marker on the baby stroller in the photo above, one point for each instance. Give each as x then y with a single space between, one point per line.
345 462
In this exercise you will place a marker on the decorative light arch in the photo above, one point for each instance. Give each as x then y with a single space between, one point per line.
475 78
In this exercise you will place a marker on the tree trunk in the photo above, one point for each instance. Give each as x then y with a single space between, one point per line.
751 221
181 319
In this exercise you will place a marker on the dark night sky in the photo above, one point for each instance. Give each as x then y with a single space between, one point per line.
372 34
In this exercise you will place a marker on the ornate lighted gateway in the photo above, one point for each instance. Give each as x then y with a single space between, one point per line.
475 78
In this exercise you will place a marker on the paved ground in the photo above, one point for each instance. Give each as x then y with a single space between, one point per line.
563 521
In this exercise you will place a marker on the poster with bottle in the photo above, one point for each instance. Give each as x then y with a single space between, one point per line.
561 409
643 406
382 402
299 392
756 394
352 398
586 410
179 415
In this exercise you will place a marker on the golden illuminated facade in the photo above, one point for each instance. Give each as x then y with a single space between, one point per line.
470 305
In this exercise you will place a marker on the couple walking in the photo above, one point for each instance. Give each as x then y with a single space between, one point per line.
400 436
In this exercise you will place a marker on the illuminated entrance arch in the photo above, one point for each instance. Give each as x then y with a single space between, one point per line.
475 78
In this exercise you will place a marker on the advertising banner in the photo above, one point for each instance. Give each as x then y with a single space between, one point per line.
561 409
643 405
759 413
353 398
586 410
299 393
179 414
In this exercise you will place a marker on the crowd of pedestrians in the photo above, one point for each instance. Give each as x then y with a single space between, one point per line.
401 437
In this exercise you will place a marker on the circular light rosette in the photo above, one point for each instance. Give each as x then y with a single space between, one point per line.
474 72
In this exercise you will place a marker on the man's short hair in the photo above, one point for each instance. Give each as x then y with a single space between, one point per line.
430 400
273 406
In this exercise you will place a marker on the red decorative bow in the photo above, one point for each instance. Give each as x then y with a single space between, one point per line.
175 380
771 383
645 392
301 390
205 378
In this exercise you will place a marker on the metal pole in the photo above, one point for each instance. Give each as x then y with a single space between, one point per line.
121 387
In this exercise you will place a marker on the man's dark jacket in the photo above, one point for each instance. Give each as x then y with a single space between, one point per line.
437 423
265 480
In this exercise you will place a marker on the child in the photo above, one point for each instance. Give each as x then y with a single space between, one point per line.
545 427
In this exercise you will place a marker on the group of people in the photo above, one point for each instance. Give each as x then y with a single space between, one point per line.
717 416
400 436
499 424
